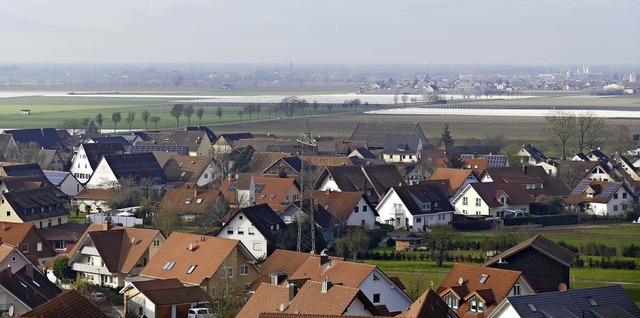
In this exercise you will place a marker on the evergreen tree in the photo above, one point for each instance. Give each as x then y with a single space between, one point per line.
445 137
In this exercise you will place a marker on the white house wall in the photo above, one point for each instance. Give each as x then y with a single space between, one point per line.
329 184
504 311
70 186
209 174
386 211
431 219
391 296
356 308
81 167
357 218
103 177
255 243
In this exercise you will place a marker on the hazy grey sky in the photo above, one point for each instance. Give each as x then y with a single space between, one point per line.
531 32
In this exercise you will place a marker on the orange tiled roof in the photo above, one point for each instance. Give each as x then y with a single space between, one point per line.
456 177
98 194
349 274
189 201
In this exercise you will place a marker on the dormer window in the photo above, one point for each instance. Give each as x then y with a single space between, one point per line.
451 300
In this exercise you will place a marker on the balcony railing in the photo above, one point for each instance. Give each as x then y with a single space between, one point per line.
85 268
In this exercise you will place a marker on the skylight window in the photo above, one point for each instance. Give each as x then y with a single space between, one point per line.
592 301
483 279
168 266
532 307
187 201
191 268
23 284
35 283
199 201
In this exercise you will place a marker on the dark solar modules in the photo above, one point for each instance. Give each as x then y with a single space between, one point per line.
583 185
259 187
56 177
608 190
232 187
180 149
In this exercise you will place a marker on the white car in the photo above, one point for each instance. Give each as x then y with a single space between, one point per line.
199 313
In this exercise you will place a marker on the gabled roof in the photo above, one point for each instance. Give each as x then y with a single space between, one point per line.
230 138
68 304
362 153
119 247
137 166
35 204
110 139
490 191
189 201
536 154
345 147
543 245
208 253
284 261
429 305
456 177
57 177
47 138
595 191
595 302
21 169
178 149
186 168
95 151
16 233
340 203
262 160
189 138
273 191
97 194
402 144
263 144
378 178
349 274
414 195
205 129
493 289
264 219
23 182
28 285
164 292
597 154
374 133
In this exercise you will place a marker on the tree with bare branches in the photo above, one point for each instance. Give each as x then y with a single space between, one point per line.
176 112
561 126
145 116
131 116
187 111
592 131
199 114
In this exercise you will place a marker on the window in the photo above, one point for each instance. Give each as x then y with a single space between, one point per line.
230 230
257 246
244 270
465 201
465 212
240 217
516 289
187 201
483 279
25 248
252 231
296 197
480 306
356 209
473 306
168 266
191 268
206 175
418 220
199 201
156 243
376 298
229 272
8 213
240 231
615 195
59 221
376 278
39 246
451 301
478 201
364 208
615 207
49 223
624 195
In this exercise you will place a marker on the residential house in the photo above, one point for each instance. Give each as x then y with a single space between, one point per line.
46 138
162 298
38 206
107 256
181 150
594 302
68 304
262 160
65 181
346 208
11 257
224 142
190 171
375 284
12 169
292 166
94 200
374 133
8 148
373 181
323 220
136 167
545 263
474 291
597 155
398 148
362 153
601 198
457 179
572 172
475 164
492 199
311 297
533 179
258 227
429 304
28 239
24 289
190 204
415 207
63 237
209 262
530 155
88 157
199 142
109 139
247 190
348 147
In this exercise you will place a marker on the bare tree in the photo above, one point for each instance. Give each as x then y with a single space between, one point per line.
213 216
440 240
166 221
200 113
116 117
560 130
592 131
188 112
404 100
176 112
131 116
219 113
249 109
621 140
240 113
99 120
145 116
155 120
27 153
257 108
74 127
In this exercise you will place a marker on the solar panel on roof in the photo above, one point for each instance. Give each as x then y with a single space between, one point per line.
578 189
495 161
608 190
463 156
180 149
259 187
232 187
56 177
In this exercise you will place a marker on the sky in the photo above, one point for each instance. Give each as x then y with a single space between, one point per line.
498 32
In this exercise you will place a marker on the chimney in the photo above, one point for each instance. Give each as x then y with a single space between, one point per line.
29 270
324 259
326 284
195 192
105 226
292 291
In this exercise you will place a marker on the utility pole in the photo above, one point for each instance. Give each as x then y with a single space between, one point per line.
306 240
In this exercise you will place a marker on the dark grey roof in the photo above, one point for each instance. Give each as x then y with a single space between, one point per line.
23 170
236 136
32 289
137 166
536 154
179 149
414 195
596 302
47 138
599 154
375 132
582 156
365 153
542 244
265 220
401 144
110 140
205 129
373 180
95 151
35 204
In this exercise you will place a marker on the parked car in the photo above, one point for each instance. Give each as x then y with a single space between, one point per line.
199 312
98 296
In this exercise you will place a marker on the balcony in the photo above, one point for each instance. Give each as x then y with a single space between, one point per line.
92 269
90 250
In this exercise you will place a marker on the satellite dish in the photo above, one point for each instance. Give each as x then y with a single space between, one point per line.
11 311
281 307
562 287
460 281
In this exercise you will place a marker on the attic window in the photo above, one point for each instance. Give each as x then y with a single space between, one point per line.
592 301
483 279
183 173
191 268
168 266
271 197
187 201
532 307
23 284
198 201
